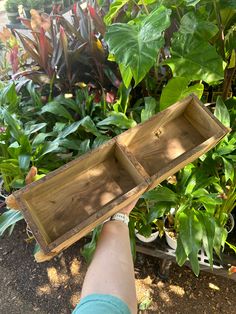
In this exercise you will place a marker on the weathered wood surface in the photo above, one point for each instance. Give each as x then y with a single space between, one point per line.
70 201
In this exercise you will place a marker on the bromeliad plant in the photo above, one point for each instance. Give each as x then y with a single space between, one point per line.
12 55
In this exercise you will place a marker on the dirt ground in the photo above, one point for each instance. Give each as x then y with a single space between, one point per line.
54 287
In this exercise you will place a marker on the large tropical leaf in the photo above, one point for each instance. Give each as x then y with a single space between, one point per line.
150 108
181 256
118 119
208 227
89 248
229 170
176 89
8 219
220 238
57 109
87 123
190 232
195 59
221 112
162 194
49 147
135 46
13 124
114 10
197 25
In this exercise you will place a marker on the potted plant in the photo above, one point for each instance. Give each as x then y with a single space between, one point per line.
169 227
192 225
221 162
144 218
11 7
223 212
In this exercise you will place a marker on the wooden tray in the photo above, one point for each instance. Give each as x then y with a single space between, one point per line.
69 202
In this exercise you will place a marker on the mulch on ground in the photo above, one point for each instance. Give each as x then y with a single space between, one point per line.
54 287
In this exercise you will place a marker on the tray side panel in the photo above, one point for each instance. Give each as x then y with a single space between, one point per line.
80 164
158 149
65 204
202 119
185 159
93 221
139 133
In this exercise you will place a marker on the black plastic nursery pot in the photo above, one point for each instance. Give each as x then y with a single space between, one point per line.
13 17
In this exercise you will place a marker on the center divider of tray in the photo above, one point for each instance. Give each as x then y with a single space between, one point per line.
127 157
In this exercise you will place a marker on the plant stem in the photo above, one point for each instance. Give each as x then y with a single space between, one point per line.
145 7
156 65
221 29
178 13
51 87
228 77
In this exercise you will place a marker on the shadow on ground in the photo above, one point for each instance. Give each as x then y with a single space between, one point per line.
54 287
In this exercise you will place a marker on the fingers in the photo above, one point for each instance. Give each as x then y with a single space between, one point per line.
31 174
127 209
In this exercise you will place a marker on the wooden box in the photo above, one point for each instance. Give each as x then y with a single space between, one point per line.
69 202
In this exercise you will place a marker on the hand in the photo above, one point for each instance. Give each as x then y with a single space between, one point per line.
127 209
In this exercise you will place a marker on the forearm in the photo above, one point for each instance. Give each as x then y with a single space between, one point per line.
111 270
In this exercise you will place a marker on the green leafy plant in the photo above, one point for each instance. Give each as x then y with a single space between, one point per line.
145 217
91 82
9 219
12 6
197 46
141 43
69 53
34 4
194 223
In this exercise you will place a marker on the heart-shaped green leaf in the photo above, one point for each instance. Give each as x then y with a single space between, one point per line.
221 112
195 59
176 89
195 24
114 10
136 46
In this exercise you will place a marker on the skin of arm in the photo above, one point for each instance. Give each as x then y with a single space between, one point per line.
111 270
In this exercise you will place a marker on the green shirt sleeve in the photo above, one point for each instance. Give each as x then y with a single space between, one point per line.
101 304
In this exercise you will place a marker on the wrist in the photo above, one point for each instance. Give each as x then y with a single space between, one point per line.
122 217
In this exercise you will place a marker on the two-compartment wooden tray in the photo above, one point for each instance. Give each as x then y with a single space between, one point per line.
69 202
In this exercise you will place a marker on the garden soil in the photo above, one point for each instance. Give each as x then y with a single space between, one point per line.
54 287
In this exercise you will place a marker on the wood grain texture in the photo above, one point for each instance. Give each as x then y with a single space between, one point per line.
72 196
143 130
65 205
72 200
129 160
189 156
170 141
202 120
97 218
